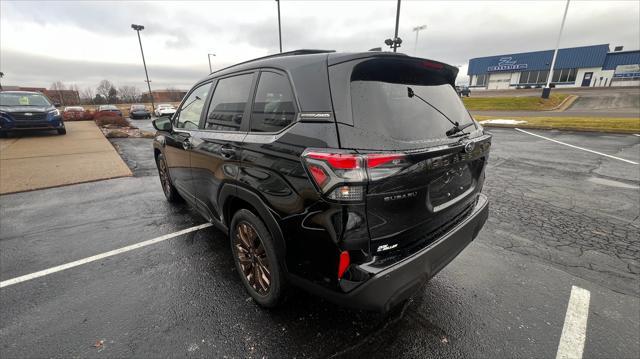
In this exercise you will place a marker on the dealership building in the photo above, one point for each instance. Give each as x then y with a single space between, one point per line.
585 66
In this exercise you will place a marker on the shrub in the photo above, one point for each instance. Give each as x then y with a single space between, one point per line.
104 119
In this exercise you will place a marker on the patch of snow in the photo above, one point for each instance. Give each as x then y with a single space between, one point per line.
502 121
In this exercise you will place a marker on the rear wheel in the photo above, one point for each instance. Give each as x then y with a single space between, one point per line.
3 134
255 257
165 180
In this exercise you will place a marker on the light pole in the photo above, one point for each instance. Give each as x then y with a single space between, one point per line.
396 41
547 90
139 28
417 30
209 58
279 28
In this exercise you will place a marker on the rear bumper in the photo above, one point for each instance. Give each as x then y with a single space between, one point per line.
395 283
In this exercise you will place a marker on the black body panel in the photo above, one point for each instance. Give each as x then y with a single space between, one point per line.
421 216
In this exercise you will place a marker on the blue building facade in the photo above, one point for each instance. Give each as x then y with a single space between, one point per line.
585 66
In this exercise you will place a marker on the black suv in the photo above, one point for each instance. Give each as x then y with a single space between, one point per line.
356 176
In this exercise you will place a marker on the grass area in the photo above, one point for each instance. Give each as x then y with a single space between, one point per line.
522 103
597 124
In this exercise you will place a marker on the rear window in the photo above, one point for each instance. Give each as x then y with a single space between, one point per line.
380 101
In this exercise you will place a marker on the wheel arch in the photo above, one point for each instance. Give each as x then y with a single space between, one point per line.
233 198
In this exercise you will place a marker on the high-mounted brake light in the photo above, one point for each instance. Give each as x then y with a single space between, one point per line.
433 65
341 175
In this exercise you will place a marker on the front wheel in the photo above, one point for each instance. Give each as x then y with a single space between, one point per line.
170 192
62 131
255 257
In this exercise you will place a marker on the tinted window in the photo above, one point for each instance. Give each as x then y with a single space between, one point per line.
273 107
188 116
228 103
380 102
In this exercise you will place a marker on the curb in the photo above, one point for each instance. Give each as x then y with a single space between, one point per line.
565 104
583 129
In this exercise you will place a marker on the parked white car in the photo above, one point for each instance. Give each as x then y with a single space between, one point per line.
165 109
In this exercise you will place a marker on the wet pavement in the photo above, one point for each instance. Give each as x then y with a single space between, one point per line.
560 217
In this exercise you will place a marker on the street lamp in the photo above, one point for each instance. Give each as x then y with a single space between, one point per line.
417 30
209 58
396 41
279 28
139 28
547 90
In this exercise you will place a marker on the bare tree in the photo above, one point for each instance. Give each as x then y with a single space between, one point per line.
57 86
103 89
87 95
129 94
56 92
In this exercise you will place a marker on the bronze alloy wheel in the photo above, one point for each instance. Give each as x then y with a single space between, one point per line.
252 258
164 177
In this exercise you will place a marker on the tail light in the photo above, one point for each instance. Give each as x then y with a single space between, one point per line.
343 263
342 175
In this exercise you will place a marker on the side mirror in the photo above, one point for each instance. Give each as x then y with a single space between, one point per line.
162 123
56 105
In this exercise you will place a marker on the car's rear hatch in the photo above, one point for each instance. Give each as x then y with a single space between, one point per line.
435 180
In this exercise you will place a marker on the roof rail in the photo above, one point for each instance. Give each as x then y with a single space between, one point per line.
288 53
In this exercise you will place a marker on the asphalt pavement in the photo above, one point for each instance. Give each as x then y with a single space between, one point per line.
560 217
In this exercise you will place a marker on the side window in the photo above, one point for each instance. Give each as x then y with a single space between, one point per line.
189 114
228 103
273 108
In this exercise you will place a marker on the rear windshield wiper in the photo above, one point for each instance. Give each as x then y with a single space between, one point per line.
456 126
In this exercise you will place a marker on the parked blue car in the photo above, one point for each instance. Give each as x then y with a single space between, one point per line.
24 110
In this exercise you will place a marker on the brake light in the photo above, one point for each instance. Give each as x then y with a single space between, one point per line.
433 65
341 175
337 160
343 264
318 175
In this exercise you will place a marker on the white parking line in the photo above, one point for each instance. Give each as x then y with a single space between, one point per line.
62 267
579 148
635 134
574 330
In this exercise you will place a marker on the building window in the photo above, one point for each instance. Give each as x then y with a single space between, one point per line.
533 77
564 75
481 80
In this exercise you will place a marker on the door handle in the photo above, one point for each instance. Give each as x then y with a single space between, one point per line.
186 144
227 151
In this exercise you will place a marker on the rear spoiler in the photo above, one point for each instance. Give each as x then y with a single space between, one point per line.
447 71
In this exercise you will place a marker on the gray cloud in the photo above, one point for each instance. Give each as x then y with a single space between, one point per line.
28 70
456 32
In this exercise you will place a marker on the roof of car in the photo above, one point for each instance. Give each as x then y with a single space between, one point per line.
300 57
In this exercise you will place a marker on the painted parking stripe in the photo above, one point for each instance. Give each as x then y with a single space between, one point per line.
635 134
579 148
100 256
574 330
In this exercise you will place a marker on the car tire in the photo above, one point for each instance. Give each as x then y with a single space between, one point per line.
170 192
254 255
62 131
3 134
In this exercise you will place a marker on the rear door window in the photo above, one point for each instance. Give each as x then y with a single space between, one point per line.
228 103
380 101
273 107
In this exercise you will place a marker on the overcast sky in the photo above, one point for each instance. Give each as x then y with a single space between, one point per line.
83 42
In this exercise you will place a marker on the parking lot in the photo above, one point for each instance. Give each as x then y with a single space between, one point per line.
564 214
